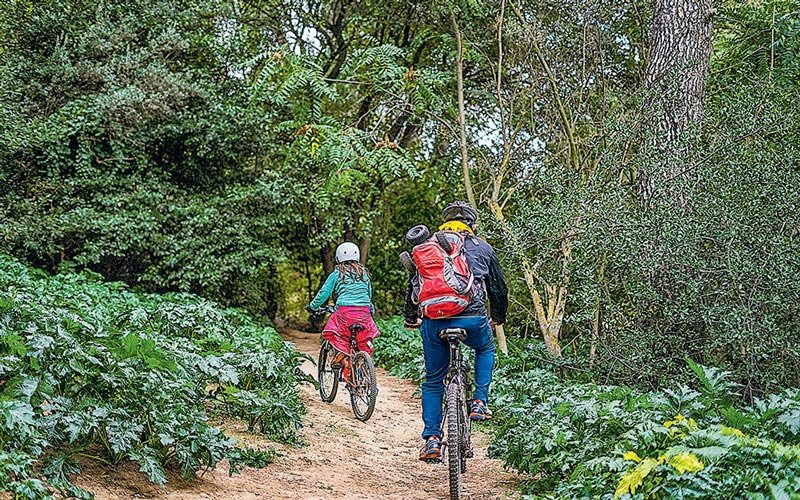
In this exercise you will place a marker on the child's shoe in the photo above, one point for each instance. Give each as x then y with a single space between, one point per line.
338 360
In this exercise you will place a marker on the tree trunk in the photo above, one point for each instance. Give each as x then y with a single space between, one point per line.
676 74
364 248
327 256
677 70
462 121
598 313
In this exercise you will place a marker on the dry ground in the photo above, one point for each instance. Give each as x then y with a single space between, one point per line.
342 457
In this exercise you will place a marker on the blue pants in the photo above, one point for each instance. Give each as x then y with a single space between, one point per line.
437 361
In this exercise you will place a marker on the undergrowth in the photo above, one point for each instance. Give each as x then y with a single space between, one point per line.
583 440
94 371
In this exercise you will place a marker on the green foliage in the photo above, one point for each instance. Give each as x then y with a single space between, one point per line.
202 153
250 458
399 350
759 39
338 162
93 370
345 145
586 440
132 149
709 274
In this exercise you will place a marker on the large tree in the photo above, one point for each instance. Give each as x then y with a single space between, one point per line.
675 76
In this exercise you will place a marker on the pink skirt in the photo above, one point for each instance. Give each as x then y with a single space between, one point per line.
337 330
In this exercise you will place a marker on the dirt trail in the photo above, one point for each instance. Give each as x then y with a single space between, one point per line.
342 458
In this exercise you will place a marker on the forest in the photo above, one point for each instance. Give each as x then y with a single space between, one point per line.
175 176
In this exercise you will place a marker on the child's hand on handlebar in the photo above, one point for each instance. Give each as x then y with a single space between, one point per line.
322 311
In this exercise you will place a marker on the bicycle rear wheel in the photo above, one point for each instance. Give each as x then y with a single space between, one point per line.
364 389
327 376
454 442
466 444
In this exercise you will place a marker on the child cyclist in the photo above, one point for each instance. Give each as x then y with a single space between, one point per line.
350 285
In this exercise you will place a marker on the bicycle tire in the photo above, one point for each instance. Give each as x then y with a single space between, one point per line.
326 374
365 388
454 440
466 445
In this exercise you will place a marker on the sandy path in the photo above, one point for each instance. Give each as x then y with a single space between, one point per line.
342 458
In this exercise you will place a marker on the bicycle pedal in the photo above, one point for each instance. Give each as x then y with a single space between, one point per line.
433 460
470 453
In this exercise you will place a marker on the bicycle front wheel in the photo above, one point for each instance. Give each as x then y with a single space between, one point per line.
454 441
364 390
327 376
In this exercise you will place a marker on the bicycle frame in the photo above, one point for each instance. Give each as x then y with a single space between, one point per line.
355 328
459 368
459 373
455 417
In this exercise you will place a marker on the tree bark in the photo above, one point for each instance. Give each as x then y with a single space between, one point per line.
326 255
364 247
676 73
680 47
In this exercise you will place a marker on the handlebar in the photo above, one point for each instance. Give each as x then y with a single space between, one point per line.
322 311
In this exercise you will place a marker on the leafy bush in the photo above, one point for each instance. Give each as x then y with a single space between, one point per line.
715 280
589 440
93 370
592 440
399 350
131 149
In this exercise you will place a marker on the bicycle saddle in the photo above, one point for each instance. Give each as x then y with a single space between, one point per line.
356 327
451 334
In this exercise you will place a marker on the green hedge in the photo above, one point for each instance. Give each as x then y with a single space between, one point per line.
588 440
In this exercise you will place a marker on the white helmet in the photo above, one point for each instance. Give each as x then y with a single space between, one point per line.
347 251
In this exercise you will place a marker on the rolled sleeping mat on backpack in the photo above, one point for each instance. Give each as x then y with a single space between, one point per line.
408 262
418 234
441 238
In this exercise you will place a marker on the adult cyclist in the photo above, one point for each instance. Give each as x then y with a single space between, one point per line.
462 218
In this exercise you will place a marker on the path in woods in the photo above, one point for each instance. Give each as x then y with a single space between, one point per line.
341 458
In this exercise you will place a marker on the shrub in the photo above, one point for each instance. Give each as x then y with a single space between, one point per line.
93 370
399 350
582 440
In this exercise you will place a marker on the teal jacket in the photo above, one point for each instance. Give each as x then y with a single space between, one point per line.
348 292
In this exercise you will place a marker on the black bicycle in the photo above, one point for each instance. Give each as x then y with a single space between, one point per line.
361 382
455 419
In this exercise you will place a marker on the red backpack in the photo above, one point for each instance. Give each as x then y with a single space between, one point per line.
445 279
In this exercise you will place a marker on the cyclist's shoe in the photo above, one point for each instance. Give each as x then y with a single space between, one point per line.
432 449
478 411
